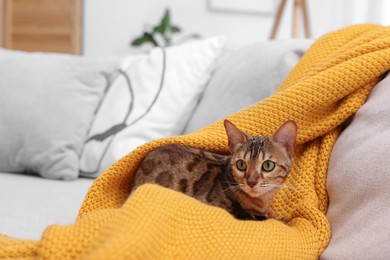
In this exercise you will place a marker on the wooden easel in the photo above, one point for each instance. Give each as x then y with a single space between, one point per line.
299 5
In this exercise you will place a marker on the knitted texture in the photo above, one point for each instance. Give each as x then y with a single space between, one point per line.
325 88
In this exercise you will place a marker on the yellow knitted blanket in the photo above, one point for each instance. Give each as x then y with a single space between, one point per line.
326 87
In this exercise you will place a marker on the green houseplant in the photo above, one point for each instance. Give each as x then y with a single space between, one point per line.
164 30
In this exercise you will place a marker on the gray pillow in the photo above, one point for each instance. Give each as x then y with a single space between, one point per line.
358 183
244 77
47 104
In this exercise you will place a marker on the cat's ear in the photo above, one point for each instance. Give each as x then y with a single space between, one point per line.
286 135
236 138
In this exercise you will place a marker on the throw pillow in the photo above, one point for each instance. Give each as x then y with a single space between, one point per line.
47 104
245 76
152 97
358 183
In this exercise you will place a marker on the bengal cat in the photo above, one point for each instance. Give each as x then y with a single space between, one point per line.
243 183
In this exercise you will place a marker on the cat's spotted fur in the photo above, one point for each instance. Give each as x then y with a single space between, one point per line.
241 183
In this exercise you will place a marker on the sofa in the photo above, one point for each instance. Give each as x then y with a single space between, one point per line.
36 193
45 201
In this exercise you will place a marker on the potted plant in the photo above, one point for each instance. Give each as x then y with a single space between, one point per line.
162 34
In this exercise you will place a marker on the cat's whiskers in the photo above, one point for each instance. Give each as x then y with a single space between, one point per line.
230 188
274 185
228 192
233 188
231 183
286 186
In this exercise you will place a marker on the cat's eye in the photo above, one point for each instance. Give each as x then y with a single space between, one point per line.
241 165
268 166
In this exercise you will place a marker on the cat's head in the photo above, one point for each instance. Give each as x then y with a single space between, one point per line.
261 163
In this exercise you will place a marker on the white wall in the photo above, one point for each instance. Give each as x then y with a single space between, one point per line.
109 26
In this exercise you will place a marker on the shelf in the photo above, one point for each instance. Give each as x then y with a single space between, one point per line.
43 25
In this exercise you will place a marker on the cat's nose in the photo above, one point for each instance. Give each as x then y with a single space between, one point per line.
251 182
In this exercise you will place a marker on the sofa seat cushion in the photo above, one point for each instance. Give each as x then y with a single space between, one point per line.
28 204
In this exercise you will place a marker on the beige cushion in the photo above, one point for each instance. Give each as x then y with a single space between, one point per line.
359 183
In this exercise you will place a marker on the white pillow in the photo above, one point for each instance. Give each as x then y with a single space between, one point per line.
47 105
245 76
152 97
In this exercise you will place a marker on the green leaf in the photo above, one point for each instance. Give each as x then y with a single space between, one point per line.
158 29
146 37
138 41
166 21
175 29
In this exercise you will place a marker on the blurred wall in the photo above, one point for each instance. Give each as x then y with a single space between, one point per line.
109 26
